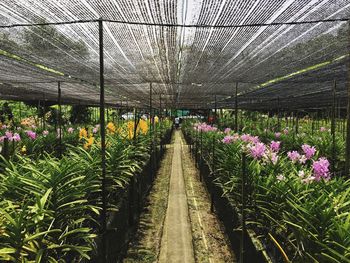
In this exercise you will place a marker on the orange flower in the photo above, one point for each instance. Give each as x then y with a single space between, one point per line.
83 133
131 126
143 126
111 128
88 143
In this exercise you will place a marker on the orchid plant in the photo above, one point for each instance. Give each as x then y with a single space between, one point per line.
292 192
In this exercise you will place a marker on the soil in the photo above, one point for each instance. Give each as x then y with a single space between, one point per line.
209 240
146 243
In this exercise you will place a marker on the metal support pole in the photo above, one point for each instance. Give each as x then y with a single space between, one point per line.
347 150
201 157
215 111
44 108
160 106
59 130
38 114
20 110
243 192
296 122
150 106
278 114
236 108
136 123
213 176
103 255
151 130
267 123
333 125
160 123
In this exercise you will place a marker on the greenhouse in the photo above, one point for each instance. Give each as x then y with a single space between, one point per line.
175 131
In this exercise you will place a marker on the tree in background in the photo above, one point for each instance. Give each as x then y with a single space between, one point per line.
80 114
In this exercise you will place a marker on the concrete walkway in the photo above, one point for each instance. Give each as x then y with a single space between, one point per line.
176 243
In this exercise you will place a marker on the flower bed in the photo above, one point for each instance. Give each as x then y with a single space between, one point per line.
291 195
50 207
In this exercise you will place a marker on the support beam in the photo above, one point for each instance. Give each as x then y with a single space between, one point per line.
160 106
215 111
151 131
278 114
243 207
347 144
347 150
150 107
103 254
59 118
333 125
44 108
236 108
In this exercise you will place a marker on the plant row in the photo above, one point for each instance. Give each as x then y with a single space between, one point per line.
292 193
50 207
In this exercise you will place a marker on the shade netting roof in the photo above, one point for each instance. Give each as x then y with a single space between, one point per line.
192 51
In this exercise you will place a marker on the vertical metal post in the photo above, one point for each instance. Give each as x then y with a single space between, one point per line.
236 108
135 124
243 192
278 114
160 106
151 130
44 106
296 122
103 146
215 111
333 125
267 123
213 176
150 106
201 156
160 123
20 110
347 149
38 114
59 118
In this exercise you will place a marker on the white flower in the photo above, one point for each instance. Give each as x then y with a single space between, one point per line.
302 159
280 177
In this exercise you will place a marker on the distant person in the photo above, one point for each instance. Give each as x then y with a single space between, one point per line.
177 122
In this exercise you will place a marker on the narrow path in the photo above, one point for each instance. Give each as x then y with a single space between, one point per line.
177 225
210 243
176 243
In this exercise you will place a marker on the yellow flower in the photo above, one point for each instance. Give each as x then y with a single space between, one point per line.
83 133
156 119
88 143
23 149
130 125
111 128
143 126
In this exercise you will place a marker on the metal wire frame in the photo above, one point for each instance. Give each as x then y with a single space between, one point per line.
345 19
